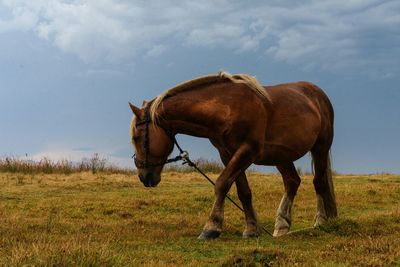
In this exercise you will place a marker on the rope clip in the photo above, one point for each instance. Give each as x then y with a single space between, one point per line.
184 155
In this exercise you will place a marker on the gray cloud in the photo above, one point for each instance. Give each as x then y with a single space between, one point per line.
318 34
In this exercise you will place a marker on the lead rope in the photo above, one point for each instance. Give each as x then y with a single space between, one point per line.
184 156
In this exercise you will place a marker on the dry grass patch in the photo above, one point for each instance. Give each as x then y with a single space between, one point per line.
104 219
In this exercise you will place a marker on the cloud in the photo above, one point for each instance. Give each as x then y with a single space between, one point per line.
317 34
57 152
102 73
156 50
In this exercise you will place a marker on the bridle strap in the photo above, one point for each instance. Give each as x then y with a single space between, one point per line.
183 155
146 136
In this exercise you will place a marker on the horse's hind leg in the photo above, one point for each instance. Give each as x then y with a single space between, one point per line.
291 181
323 184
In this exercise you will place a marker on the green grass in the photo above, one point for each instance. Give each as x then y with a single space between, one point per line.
103 219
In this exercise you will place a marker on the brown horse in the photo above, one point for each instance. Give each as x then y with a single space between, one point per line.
247 123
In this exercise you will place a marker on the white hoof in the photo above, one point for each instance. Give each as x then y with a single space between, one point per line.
319 220
280 232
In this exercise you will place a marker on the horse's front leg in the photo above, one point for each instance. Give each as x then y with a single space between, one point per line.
240 161
244 194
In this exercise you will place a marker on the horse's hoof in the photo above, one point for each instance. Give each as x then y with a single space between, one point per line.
280 232
209 234
319 220
250 234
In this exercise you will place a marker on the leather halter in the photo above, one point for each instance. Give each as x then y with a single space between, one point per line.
146 146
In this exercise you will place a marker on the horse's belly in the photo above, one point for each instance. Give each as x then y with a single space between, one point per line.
275 154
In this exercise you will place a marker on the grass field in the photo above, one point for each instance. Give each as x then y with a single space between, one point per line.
86 219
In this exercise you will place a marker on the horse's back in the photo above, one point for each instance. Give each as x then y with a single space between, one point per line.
307 89
299 115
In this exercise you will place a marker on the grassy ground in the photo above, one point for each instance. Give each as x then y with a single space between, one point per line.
84 219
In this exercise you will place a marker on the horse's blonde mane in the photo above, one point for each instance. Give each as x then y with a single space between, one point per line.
248 80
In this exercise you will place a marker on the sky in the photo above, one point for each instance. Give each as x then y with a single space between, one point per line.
69 67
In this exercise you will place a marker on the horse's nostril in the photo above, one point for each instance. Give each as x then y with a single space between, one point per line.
148 183
149 179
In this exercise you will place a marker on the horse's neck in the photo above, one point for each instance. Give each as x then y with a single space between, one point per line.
196 116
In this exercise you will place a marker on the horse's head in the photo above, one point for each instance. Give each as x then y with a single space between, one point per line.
152 146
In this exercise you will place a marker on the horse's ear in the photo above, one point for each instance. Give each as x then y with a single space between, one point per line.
135 109
144 103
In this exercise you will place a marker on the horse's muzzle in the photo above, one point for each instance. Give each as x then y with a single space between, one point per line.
149 179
